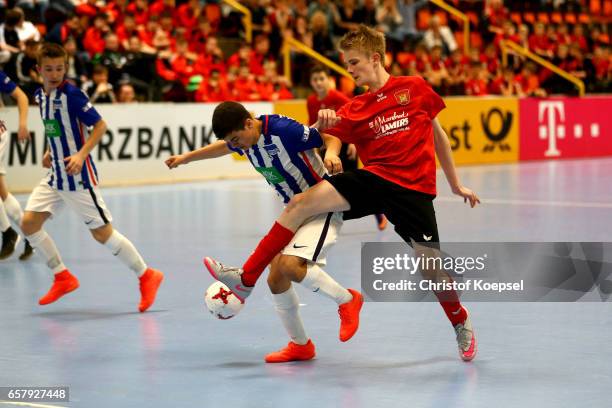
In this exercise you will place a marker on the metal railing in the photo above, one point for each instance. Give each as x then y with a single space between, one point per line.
247 18
507 45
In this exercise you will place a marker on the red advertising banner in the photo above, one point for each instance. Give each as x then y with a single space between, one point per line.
559 128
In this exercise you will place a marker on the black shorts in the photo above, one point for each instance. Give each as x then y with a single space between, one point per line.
412 212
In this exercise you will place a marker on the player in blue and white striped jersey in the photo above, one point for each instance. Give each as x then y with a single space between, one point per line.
283 151
10 210
73 181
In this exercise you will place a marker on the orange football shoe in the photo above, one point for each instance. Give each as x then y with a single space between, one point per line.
63 283
349 315
149 283
293 352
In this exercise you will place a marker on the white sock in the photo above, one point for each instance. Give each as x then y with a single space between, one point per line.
4 221
122 248
287 306
13 209
318 280
44 245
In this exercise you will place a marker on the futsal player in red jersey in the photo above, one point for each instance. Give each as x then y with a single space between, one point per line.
397 136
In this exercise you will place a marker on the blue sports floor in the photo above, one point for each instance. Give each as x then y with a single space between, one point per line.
177 355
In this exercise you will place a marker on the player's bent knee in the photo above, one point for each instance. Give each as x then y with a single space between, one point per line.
277 282
29 224
292 267
102 234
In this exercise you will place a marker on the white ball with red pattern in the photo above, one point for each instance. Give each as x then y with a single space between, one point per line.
221 301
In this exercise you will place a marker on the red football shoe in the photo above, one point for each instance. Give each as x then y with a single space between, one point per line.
293 352
349 315
63 283
149 283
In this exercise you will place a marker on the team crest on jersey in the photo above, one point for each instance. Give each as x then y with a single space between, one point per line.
57 104
402 96
272 150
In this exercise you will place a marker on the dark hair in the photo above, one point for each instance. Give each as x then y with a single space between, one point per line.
228 117
100 69
51 50
319 68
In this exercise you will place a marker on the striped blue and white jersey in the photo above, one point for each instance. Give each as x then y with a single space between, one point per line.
67 113
285 155
6 85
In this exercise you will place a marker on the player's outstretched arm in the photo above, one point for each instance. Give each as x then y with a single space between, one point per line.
213 150
445 156
74 163
332 153
22 107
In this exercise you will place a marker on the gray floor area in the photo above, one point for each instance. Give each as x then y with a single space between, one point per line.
177 355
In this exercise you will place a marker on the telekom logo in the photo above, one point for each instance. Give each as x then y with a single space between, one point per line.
552 128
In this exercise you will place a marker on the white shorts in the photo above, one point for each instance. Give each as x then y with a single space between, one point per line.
4 147
315 237
87 203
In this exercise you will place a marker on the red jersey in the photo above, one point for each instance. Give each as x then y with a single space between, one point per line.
334 100
393 131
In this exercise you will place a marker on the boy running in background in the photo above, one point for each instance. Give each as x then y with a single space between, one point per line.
283 151
9 206
73 180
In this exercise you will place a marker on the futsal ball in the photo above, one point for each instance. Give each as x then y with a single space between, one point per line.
222 302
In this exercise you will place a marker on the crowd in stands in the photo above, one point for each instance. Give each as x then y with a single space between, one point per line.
194 50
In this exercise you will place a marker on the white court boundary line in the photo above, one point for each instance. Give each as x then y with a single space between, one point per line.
29 404
503 201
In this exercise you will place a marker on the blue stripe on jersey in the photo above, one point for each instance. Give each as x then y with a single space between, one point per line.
58 174
76 133
262 163
278 165
65 148
299 163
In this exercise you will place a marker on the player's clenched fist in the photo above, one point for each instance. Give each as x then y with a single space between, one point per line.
333 164
175 161
46 160
326 118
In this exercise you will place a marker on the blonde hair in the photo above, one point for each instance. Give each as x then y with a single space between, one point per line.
364 39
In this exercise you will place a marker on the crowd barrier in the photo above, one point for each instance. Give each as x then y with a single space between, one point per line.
480 130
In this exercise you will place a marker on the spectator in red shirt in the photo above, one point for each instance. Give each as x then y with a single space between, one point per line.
436 74
214 89
539 42
147 33
183 62
579 38
212 58
126 29
273 87
188 14
457 66
140 10
116 10
94 36
529 81
245 86
419 65
160 7
261 55
89 8
200 34
476 85
242 56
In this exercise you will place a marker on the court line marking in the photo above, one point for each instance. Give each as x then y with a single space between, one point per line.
29 404
540 203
